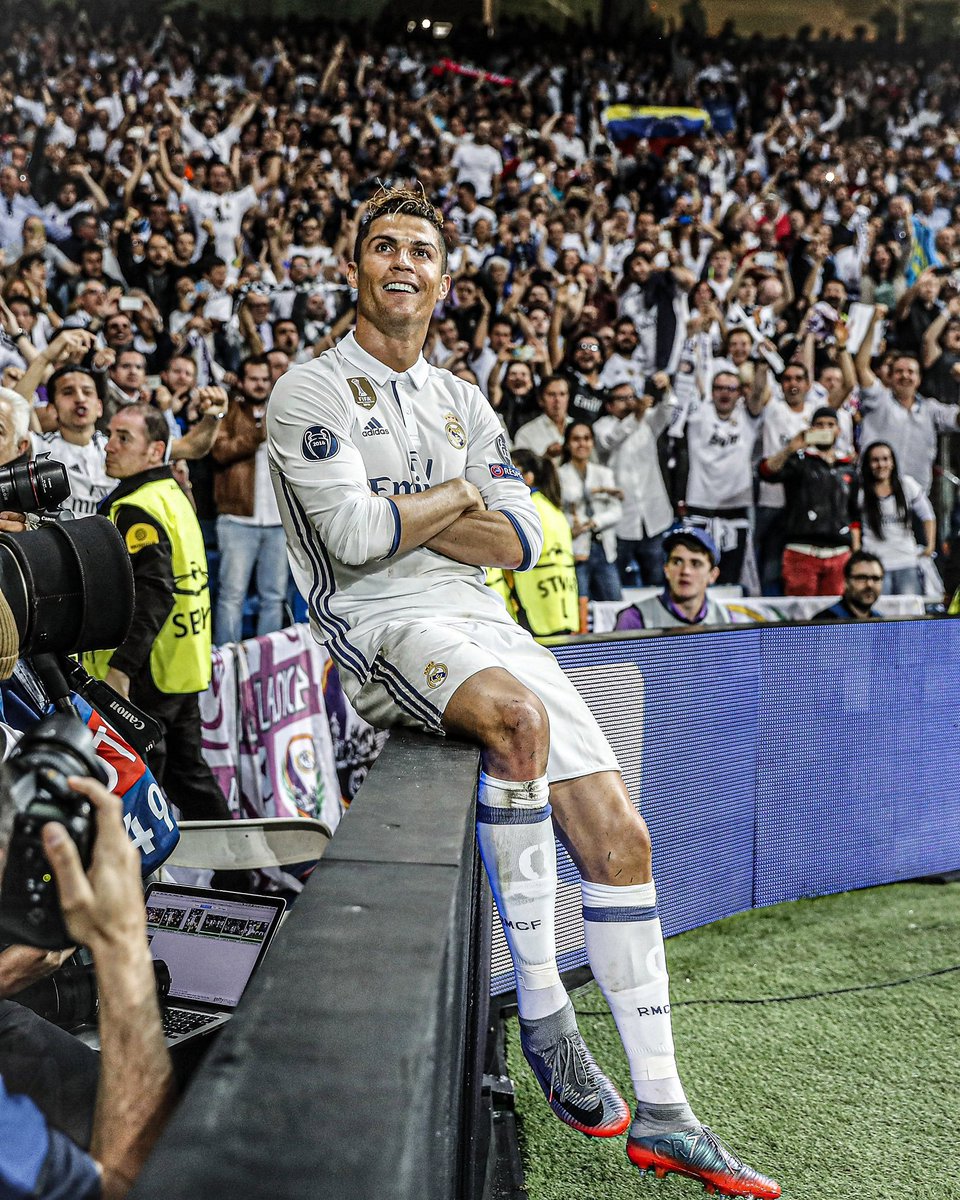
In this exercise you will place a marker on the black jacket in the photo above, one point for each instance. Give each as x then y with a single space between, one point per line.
152 577
821 507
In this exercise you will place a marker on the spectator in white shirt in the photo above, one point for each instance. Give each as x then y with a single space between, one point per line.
544 434
626 440
479 163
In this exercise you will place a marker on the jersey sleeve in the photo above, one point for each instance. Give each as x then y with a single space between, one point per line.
318 471
151 557
499 482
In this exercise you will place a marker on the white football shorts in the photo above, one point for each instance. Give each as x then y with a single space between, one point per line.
416 666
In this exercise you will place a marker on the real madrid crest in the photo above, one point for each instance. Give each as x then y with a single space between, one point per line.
435 674
363 393
454 431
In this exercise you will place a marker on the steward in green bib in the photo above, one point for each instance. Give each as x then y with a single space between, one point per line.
171 624
545 599
165 660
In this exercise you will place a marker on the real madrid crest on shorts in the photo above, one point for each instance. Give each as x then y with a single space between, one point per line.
363 392
435 674
454 430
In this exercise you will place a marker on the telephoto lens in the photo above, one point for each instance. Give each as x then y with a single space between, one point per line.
69 998
33 486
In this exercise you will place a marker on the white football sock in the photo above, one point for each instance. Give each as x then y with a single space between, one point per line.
516 839
625 947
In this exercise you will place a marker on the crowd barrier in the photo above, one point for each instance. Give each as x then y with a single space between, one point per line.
774 762
752 610
282 738
353 1067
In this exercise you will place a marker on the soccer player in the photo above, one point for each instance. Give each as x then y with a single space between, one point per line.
396 489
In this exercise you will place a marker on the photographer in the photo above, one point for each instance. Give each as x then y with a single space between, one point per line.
104 911
820 514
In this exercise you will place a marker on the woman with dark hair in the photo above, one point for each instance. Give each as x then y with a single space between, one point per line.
545 599
883 282
887 501
591 501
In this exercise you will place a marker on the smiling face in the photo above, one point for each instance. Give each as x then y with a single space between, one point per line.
580 443
879 463
400 277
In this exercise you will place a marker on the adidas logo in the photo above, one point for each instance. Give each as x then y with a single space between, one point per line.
373 428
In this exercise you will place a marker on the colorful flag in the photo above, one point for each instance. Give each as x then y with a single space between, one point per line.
626 124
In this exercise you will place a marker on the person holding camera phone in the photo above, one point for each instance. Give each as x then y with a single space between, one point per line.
820 512
103 910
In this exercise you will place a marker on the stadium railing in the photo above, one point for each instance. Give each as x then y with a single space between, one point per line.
353 1068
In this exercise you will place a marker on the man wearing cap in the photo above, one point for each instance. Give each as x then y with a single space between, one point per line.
690 568
821 507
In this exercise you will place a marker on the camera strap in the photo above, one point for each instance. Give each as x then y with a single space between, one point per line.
132 723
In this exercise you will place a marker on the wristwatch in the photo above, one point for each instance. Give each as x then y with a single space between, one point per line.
17 334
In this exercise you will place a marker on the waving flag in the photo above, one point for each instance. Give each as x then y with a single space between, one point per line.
626 124
923 253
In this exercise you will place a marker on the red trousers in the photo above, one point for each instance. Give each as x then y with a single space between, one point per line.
807 575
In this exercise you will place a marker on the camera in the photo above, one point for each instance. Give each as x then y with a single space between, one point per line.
52 580
32 486
55 748
70 998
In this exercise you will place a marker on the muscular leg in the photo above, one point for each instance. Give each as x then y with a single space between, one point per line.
506 719
514 830
608 840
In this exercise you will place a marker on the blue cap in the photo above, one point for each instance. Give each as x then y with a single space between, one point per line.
695 533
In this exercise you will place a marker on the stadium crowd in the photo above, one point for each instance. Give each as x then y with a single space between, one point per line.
660 315
177 210
722 339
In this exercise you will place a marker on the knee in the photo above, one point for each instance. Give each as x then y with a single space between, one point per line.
630 860
519 727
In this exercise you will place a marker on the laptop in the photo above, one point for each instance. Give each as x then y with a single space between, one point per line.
211 942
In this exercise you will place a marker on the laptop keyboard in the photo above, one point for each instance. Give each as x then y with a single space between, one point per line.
178 1021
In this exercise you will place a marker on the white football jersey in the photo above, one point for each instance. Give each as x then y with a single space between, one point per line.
721 456
86 470
346 434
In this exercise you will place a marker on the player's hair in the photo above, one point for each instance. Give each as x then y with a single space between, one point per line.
403 202
154 422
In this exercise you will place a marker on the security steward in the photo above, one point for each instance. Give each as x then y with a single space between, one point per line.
544 599
165 660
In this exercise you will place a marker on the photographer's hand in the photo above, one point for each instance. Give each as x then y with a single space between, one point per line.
118 681
104 910
13 522
20 966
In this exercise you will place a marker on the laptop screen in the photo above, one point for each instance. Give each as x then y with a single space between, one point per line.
211 941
